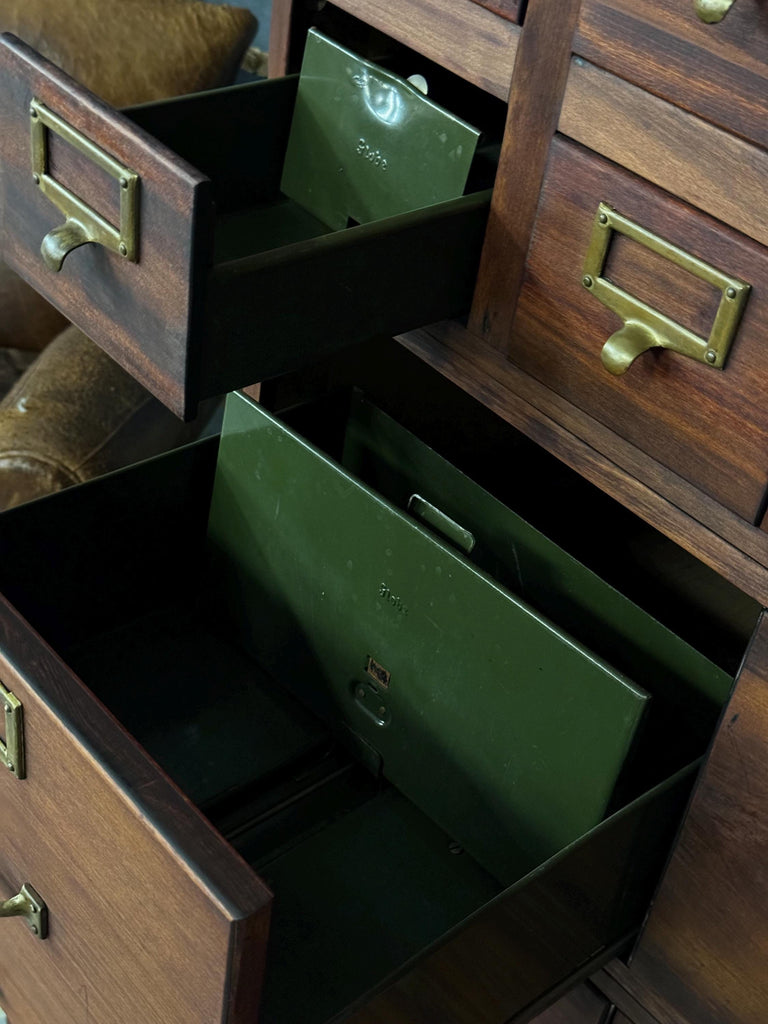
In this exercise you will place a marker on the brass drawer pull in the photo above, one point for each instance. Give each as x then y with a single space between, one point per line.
83 223
712 11
644 327
27 904
12 753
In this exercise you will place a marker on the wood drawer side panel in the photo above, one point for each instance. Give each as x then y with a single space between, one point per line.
136 929
705 947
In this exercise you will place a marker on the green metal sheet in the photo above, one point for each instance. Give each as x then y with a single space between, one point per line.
691 688
507 732
366 144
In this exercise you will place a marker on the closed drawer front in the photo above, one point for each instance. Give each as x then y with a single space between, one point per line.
718 71
704 422
297 706
214 278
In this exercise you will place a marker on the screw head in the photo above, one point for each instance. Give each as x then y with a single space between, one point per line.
123 249
587 281
730 293
711 356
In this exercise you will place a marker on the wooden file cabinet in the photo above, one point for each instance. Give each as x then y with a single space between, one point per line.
602 107
607 96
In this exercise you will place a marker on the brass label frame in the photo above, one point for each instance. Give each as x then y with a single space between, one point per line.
83 223
645 327
12 752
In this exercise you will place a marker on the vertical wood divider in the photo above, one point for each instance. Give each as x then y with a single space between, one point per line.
279 37
536 93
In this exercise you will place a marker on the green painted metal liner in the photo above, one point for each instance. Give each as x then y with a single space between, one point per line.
506 731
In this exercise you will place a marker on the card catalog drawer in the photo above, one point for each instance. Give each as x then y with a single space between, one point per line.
202 280
707 56
349 766
649 316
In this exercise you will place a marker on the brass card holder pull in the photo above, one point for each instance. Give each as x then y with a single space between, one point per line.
83 224
12 751
712 11
644 327
27 904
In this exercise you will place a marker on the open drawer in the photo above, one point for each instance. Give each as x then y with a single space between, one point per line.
204 275
415 876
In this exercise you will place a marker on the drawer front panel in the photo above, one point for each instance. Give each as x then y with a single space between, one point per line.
135 930
703 952
707 424
718 71
138 310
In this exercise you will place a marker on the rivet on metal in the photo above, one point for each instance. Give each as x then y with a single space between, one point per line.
587 281
36 178
33 113
730 293
603 218
123 249
711 356
123 183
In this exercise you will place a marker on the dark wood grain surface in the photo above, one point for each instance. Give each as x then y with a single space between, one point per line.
718 71
504 8
706 166
150 911
707 425
141 313
704 949
536 92
681 511
584 1005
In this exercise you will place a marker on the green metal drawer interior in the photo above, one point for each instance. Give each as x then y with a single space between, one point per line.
344 725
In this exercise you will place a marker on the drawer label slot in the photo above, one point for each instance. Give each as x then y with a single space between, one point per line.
83 224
